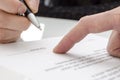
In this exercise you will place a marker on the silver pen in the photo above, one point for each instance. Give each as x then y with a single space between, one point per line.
31 16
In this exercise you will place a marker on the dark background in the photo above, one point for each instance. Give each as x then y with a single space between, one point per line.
75 9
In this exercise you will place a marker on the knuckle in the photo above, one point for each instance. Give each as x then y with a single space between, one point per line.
86 22
84 19
14 7
17 7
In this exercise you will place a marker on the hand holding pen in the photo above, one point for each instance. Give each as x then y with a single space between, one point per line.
31 16
12 25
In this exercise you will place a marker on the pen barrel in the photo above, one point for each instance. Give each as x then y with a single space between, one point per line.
28 11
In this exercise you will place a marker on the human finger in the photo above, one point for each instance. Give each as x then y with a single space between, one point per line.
114 44
13 22
33 5
12 6
7 36
90 24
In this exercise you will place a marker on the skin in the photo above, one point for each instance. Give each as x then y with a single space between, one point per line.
109 20
12 25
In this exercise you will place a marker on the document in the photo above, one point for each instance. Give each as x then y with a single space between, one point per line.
6 74
87 60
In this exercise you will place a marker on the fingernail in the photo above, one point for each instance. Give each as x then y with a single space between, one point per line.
21 10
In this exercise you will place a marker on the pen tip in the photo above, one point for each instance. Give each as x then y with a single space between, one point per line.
39 27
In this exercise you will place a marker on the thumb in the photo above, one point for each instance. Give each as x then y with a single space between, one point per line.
33 5
12 6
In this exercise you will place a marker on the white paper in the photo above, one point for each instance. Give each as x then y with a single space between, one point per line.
6 74
88 60
33 33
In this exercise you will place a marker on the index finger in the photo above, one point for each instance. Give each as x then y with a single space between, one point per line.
12 6
89 24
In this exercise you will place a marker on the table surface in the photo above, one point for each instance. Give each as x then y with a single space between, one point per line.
55 27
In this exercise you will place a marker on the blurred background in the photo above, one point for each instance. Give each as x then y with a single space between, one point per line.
74 9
